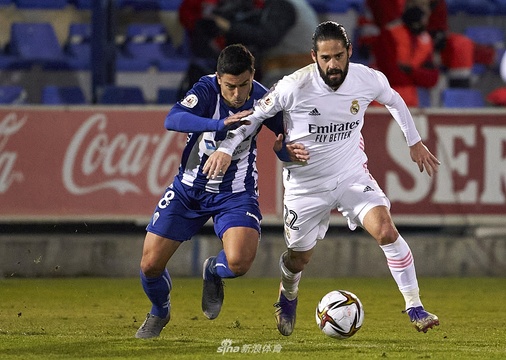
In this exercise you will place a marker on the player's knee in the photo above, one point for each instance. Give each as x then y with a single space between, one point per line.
387 234
296 263
240 266
150 269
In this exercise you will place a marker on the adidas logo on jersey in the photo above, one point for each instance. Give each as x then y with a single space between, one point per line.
314 112
368 188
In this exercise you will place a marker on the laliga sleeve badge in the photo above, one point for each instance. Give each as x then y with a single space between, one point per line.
190 101
355 107
267 102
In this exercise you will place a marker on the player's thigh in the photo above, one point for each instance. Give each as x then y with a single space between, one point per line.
357 195
237 223
238 210
306 219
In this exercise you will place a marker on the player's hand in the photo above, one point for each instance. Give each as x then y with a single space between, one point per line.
236 120
424 158
296 151
217 164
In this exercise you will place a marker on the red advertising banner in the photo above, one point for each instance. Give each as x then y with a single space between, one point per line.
109 164
470 186
89 163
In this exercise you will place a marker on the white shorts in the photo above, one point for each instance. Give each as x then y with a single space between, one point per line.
306 217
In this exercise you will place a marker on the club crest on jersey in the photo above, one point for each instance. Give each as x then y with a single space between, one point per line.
355 107
190 101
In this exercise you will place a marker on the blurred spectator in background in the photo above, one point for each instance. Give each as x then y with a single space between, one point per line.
292 52
457 53
456 50
259 25
193 15
375 16
404 50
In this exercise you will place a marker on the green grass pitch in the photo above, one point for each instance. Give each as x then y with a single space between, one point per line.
96 318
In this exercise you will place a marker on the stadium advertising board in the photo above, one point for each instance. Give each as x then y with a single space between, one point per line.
100 163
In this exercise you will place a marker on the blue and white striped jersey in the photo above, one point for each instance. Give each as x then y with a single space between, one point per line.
201 113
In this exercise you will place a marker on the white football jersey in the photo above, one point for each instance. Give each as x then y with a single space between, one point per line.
327 122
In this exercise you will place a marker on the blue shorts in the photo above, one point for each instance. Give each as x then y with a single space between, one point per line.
182 212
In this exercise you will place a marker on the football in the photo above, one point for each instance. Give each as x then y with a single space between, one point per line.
339 314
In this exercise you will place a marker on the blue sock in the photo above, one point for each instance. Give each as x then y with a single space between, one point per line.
219 266
158 291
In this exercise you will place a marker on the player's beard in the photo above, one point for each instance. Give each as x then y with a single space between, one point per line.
334 83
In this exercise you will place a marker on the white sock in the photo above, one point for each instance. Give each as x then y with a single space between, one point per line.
289 280
402 266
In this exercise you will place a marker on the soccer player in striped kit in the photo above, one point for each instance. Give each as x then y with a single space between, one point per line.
323 106
215 104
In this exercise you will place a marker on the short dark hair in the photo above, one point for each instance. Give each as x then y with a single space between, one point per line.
330 30
234 60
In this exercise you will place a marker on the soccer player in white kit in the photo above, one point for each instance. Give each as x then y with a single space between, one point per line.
323 108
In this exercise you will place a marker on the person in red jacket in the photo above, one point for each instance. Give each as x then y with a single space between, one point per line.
457 53
456 50
404 50
375 16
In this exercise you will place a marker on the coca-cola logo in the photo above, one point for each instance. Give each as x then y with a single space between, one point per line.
9 126
116 160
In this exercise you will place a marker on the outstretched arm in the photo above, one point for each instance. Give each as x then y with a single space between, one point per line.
181 120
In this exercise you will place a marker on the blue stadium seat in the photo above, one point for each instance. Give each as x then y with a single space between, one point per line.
5 2
78 46
62 95
357 5
139 4
12 94
12 62
41 4
169 5
167 96
325 6
501 7
82 4
149 42
34 42
455 6
174 64
462 98
122 95
486 35
423 97
130 64
481 7
474 7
